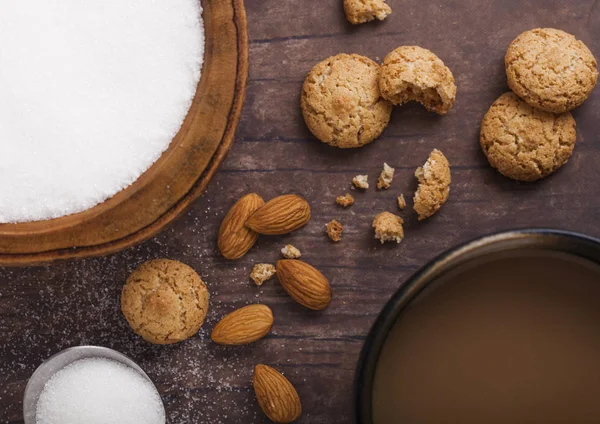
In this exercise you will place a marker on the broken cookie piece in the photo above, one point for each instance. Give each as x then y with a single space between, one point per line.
334 230
345 201
434 185
361 11
401 202
290 252
386 177
412 73
388 227
261 273
361 181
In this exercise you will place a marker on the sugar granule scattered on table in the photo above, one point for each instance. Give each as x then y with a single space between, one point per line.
91 94
99 391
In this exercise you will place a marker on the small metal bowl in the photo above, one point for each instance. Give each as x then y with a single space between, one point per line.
58 361
574 244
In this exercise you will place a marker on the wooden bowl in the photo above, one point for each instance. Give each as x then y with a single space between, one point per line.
169 186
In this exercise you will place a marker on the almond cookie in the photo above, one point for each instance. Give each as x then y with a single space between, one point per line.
361 11
550 69
434 185
523 142
414 73
341 103
164 301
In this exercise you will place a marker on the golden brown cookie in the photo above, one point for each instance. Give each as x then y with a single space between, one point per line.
523 142
414 73
550 69
361 11
340 101
164 301
434 185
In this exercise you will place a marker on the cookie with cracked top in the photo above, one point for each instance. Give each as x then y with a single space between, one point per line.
164 301
550 69
525 143
341 103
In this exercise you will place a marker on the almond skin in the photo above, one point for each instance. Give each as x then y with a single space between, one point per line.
304 283
276 396
234 238
280 215
243 326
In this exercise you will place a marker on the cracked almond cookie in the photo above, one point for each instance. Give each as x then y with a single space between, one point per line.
434 185
525 143
341 103
414 73
550 69
164 301
361 11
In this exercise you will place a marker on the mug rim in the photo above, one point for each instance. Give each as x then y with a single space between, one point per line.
569 242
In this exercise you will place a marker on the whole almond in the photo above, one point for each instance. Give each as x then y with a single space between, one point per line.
304 283
244 325
234 238
276 396
280 215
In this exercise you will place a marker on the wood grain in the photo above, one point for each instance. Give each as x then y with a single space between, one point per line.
167 188
43 310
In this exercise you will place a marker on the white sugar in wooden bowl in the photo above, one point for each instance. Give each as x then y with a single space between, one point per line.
170 184
91 94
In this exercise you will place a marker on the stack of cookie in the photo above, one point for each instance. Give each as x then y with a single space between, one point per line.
529 133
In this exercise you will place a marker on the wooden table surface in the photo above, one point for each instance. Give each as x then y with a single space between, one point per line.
46 309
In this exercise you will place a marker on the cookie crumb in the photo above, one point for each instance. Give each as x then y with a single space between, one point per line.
345 201
361 181
290 252
334 230
386 177
401 202
361 11
261 273
388 227
434 185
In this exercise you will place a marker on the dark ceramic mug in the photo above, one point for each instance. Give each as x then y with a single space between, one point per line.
578 245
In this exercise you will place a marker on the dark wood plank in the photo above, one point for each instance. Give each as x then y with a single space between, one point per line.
43 310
